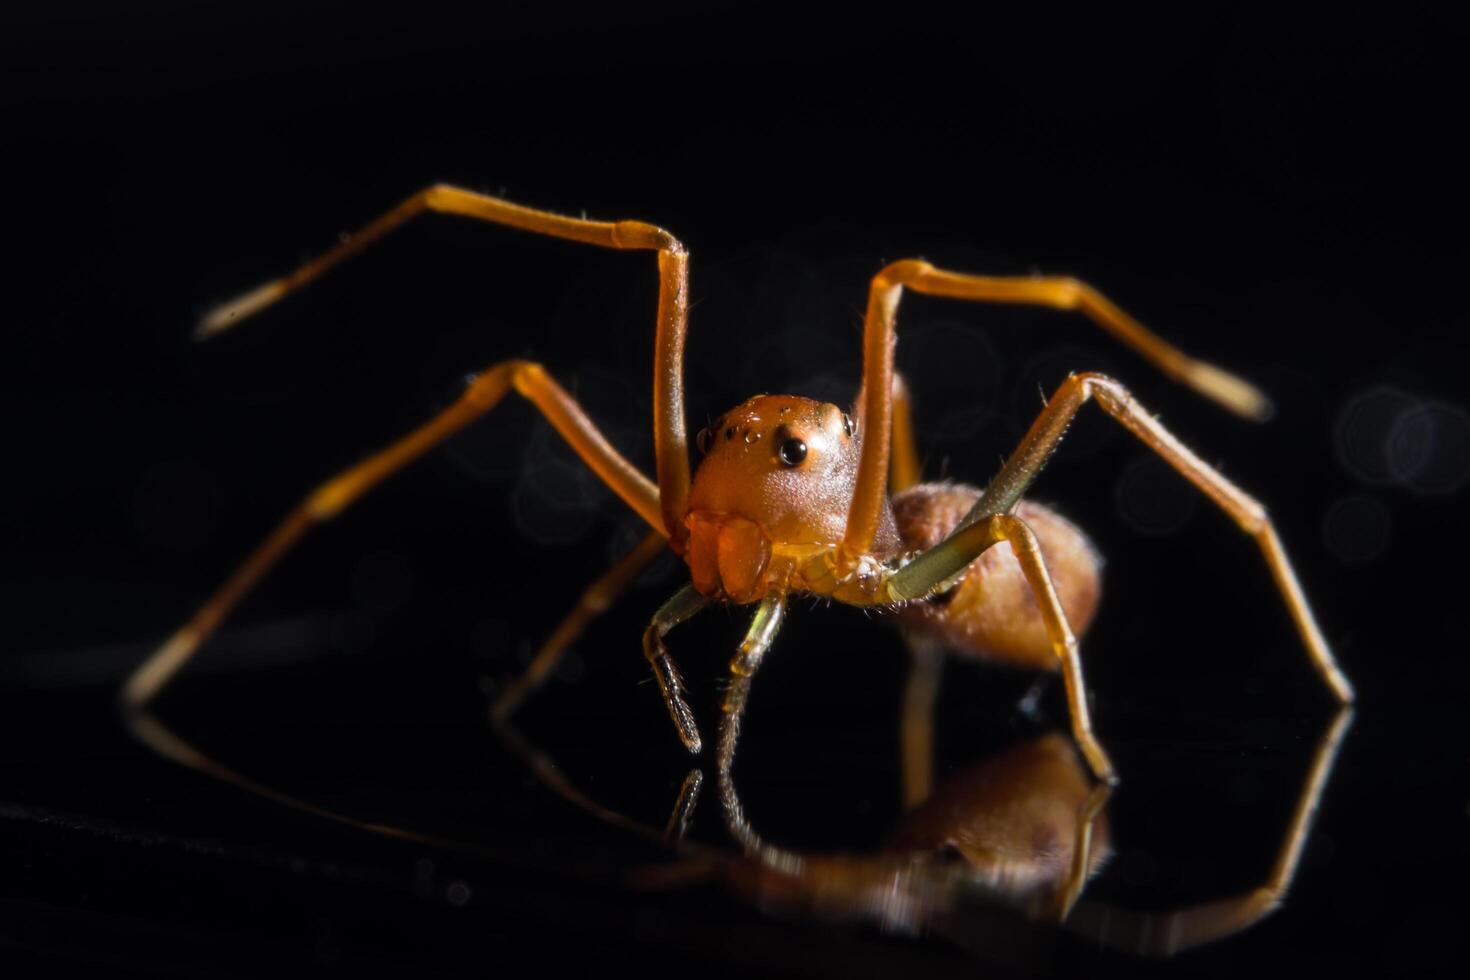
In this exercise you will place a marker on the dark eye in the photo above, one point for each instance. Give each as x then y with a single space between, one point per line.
791 451
703 440
847 425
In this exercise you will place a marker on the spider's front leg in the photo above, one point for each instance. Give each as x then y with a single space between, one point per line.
684 604
671 455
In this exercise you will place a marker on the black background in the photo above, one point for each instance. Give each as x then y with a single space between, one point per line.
1280 193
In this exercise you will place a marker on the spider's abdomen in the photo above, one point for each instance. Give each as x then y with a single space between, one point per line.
992 612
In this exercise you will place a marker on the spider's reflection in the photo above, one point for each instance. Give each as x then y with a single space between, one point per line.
1021 830
1024 829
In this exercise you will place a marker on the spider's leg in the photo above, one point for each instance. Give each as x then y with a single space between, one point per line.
670 440
684 604
1026 462
1061 293
976 531
904 469
333 496
916 726
763 629
600 595
1163 934
939 564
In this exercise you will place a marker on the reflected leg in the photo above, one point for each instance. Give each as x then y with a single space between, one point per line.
682 814
1081 866
1168 933
916 727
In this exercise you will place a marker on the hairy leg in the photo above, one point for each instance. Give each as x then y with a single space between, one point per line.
684 604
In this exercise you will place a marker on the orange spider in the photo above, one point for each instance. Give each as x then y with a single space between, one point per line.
797 496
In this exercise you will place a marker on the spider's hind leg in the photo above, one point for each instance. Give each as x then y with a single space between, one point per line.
336 494
940 564
990 521
1047 431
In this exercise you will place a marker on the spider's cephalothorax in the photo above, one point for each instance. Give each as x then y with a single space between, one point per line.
771 495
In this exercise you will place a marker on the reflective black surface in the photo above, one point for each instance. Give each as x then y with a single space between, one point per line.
1281 197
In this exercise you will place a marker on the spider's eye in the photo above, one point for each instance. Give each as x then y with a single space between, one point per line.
703 440
847 425
791 451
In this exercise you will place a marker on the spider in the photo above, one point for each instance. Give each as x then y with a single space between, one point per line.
796 496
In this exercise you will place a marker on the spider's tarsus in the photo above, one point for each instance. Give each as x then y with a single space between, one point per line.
1236 394
231 312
